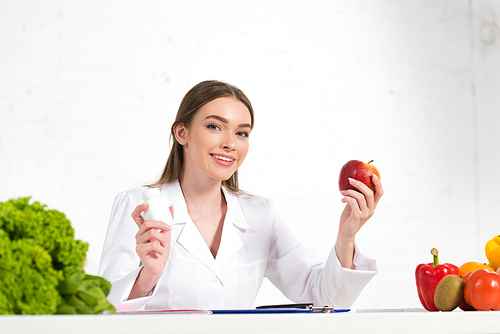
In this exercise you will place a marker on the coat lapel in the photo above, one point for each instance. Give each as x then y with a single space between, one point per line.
184 231
234 224
191 240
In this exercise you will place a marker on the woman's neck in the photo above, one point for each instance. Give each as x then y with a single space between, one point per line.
201 195
207 208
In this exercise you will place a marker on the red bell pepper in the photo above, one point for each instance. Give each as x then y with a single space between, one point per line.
482 290
428 276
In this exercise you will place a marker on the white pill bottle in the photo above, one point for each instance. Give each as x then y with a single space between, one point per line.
158 207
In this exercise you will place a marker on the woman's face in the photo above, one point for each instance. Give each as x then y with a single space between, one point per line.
216 143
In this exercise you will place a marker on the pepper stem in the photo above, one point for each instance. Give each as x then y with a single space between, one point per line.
434 253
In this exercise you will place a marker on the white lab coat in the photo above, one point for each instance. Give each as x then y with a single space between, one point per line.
255 244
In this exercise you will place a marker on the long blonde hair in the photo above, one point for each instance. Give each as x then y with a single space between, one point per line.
197 97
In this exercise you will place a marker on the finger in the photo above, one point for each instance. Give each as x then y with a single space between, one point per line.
152 236
356 217
361 206
137 214
379 191
358 197
167 233
366 192
153 225
356 212
363 188
152 249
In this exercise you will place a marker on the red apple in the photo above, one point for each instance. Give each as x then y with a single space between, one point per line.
357 170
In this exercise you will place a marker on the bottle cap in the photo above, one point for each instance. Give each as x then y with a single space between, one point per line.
150 193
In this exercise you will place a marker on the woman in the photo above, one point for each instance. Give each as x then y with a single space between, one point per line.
222 242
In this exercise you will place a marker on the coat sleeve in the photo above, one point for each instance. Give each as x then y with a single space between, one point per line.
119 262
303 277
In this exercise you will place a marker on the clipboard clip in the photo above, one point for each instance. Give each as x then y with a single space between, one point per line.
324 309
307 306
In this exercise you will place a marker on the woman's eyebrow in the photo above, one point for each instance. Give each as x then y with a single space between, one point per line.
225 121
219 118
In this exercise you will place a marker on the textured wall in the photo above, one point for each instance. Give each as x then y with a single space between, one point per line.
88 90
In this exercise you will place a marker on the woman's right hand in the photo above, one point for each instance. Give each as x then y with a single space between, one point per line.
153 248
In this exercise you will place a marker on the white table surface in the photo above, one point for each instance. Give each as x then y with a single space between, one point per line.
351 322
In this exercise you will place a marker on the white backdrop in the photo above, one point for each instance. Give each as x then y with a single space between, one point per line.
88 90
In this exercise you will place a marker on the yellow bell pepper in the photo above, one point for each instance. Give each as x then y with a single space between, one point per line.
492 250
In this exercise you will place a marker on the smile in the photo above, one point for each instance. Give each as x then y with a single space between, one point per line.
220 157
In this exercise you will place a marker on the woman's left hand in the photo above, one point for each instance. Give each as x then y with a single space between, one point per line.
360 207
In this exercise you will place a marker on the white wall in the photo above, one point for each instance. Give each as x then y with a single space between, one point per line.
88 90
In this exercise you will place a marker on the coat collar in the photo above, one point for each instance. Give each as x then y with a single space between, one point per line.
186 234
175 197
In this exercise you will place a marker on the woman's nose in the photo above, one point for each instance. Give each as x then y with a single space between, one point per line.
229 143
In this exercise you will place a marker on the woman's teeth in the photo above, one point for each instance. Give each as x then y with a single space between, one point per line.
222 158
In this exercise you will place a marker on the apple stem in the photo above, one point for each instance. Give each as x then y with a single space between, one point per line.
370 162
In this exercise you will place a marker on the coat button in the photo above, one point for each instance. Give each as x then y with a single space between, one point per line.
216 281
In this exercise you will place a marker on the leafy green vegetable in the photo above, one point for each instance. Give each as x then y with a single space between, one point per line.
41 264
84 294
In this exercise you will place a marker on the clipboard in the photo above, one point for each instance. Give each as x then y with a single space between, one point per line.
266 309
165 312
283 308
261 311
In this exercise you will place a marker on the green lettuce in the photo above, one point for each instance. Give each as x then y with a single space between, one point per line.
39 259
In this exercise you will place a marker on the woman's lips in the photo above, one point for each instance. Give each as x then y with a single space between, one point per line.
223 160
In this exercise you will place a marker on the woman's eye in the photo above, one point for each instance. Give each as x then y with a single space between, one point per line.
213 127
243 134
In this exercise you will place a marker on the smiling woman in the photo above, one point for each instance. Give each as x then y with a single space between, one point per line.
217 134
223 242
200 95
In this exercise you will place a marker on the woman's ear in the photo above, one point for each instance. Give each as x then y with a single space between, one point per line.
180 133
